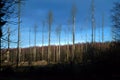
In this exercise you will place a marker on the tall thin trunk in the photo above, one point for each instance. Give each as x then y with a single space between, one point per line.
67 59
58 32
99 34
73 30
35 27
103 28
59 47
43 40
8 52
54 53
93 22
18 43
49 35
57 56
73 37
29 49
86 42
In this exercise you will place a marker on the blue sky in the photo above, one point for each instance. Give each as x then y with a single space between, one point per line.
34 12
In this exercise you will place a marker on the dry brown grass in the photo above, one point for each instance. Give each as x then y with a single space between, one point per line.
39 63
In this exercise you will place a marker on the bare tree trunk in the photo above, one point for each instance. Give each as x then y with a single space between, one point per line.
29 49
43 40
34 50
73 30
18 45
86 42
103 28
73 47
67 59
54 53
59 47
58 32
57 56
49 35
93 22
8 51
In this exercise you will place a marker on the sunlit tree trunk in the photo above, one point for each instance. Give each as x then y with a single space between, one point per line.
67 56
50 17
8 51
43 40
103 28
59 46
54 53
57 56
86 42
99 34
34 50
93 21
58 32
73 30
18 43
29 49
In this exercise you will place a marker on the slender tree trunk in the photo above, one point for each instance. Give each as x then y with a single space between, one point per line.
103 28
18 45
58 32
67 59
49 47
8 52
50 16
57 56
29 49
86 42
93 22
73 47
54 53
73 30
34 51
43 40
59 47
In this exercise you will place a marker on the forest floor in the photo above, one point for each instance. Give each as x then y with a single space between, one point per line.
91 71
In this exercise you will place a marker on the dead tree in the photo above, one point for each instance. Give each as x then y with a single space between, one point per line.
8 51
68 51
73 30
93 21
50 19
43 41
103 28
58 31
29 49
18 44
34 50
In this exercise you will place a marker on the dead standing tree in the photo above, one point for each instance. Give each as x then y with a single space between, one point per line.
73 30
103 28
34 50
18 44
30 56
8 51
43 40
58 31
93 21
50 19
68 51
